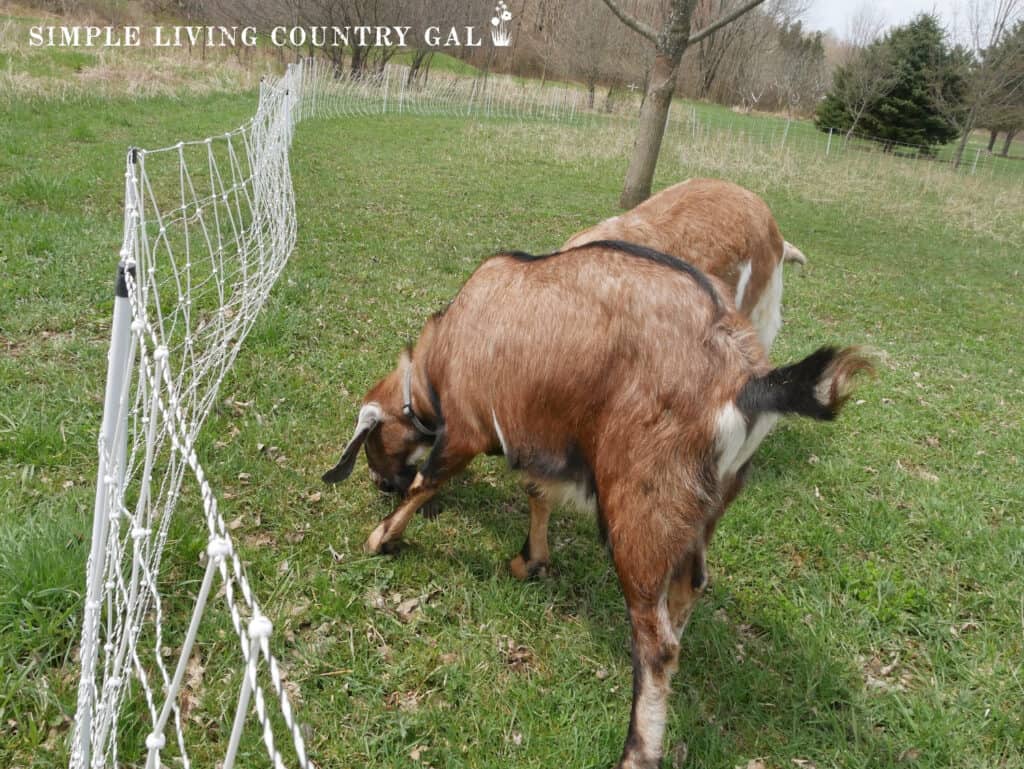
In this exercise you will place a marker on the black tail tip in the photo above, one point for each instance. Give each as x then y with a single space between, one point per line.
815 387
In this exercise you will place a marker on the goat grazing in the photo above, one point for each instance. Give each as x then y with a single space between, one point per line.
720 228
612 375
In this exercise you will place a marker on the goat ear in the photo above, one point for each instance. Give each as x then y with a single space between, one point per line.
370 416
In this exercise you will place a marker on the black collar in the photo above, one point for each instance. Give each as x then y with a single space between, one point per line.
407 404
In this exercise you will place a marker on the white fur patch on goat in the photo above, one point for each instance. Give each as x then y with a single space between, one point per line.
418 453
735 441
570 494
791 253
730 433
757 433
501 436
823 390
741 286
766 316
650 714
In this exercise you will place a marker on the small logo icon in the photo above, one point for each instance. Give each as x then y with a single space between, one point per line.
501 36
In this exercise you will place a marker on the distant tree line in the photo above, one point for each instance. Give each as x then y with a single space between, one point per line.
913 86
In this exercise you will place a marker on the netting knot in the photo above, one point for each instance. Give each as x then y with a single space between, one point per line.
260 627
218 548
155 741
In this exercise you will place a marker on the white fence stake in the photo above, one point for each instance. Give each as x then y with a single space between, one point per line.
828 145
112 449
259 630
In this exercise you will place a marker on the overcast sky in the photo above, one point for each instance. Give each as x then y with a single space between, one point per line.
834 14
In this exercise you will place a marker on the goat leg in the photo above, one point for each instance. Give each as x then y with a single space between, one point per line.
445 460
532 560
390 529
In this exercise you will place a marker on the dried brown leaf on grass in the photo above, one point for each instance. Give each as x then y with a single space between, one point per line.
517 656
407 702
404 609
888 676
194 671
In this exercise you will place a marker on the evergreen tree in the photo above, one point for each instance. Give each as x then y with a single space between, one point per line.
915 57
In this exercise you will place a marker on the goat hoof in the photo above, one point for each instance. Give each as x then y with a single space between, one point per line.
376 541
522 569
390 547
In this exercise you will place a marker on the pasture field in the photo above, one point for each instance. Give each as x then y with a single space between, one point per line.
865 607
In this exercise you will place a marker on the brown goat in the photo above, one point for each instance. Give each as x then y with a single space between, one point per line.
613 375
720 228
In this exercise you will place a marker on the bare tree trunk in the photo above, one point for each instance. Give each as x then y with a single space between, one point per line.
961 145
414 67
1009 140
669 45
993 134
337 54
651 130
591 87
426 69
608 99
358 62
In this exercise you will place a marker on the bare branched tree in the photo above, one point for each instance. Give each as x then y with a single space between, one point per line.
670 42
870 72
865 25
991 60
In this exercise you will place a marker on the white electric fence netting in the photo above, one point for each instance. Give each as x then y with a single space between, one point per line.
208 226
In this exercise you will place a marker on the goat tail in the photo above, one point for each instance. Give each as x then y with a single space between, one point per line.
816 387
791 253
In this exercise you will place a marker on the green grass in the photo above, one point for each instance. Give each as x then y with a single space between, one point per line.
439 62
865 607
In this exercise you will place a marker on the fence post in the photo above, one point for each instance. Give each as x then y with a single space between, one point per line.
112 449
828 146
974 166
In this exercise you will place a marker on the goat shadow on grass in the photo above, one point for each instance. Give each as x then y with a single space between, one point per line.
751 680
